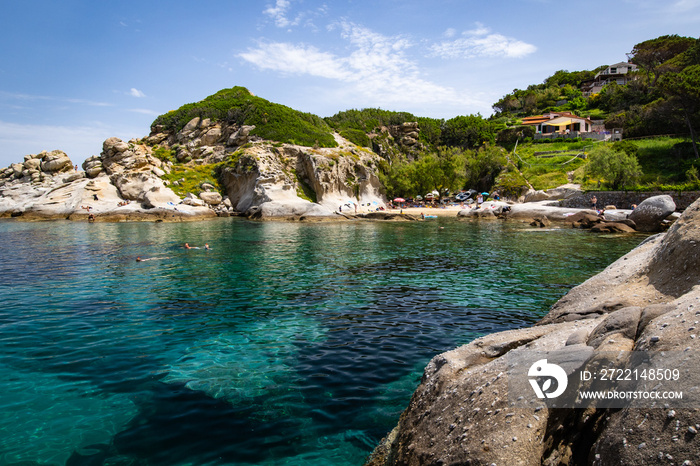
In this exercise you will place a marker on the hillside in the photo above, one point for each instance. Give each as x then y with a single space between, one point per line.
238 106
416 155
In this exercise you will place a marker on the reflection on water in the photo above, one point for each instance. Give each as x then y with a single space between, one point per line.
286 343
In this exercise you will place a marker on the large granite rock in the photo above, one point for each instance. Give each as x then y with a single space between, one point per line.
276 182
649 215
211 197
48 186
56 161
465 412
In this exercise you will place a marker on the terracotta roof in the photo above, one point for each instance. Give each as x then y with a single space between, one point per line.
537 119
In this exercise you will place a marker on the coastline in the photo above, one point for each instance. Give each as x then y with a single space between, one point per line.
465 410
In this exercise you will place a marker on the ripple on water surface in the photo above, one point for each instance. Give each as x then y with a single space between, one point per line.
285 344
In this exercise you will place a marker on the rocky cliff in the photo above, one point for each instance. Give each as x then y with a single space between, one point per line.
264 179
123 183
257 178
465 410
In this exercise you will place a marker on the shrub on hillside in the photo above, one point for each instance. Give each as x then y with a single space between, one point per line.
616 167
272 121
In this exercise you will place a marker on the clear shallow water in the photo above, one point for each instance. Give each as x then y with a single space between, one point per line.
285 344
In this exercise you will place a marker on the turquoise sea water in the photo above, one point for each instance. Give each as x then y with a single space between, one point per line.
286 343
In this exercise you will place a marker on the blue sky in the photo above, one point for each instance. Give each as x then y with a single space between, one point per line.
75 72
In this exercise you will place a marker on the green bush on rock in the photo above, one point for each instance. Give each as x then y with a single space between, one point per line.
272 121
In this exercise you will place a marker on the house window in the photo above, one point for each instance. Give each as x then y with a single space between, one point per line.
613 70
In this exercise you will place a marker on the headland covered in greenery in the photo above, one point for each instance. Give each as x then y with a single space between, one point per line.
656 109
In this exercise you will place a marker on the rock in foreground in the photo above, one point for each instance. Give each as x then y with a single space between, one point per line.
647 301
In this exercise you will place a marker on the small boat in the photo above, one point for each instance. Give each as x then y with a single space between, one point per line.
430 216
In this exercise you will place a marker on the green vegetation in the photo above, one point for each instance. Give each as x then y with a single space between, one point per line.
186 179
164 155
305 191
447 169
547 166
618 167
469 151
355 125
272 121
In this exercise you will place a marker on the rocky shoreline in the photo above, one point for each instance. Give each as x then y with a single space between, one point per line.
647 301
258 179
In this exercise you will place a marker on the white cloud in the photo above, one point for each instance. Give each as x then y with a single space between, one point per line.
32 97
481 42
296 59
377 68
278 13
144 111
480 30
136 93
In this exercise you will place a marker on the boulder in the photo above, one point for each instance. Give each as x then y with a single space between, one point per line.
32 164
134 185
240 137
612 227
566 191
211 197
115 145
476 213
650 213
17 169
535 196
584 220
190 126
92 166
212 136
675 267
540 222
157 197
193 200
56 161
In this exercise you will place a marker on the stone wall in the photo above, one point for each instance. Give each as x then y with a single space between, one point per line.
624 199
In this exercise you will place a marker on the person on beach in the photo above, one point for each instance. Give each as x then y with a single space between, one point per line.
594 203
479 201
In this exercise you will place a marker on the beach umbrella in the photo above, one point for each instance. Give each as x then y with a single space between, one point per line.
484 194
399 199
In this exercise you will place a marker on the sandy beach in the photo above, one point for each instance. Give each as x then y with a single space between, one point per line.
450 211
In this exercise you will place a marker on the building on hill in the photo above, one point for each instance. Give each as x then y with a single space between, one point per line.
619 73
561 124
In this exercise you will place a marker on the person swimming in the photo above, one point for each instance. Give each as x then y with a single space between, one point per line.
138 259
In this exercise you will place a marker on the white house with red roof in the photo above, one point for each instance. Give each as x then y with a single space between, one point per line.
559 122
